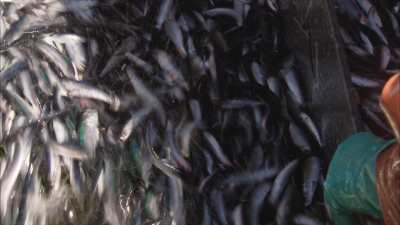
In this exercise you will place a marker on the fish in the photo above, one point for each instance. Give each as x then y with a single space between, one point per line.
281 181
74 46
12 71
56 58
196 111
206 217
175 153
250 177
274 85
68 151
146 95
111 210
17 29
303 219
81 90
89 133
237 215
28 90
257 199
25 141
60 131
165 8
172 73
182 112
31 112
384 57
362 81
258 73
218 206
367 43
119 55
177 208
217 149
311 175
240 103
293 85
284 207
225 12
132 123
299 138
140 63
174 33
312 127
164 165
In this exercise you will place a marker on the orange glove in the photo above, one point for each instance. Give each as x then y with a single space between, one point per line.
388 163
390 103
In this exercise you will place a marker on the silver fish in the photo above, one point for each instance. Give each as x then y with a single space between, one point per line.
302 219
13 70
299 138
146 95
175 35
257 199
77 89
311 174
89 134
57 58
292 82
306 119
281 181
140 63
68 151
225 12
165 8
217 149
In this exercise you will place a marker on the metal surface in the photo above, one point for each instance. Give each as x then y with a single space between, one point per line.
313 36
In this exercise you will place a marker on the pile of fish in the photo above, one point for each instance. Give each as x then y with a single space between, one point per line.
153 112
371 34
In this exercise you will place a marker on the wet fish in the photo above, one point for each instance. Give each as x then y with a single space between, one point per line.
281 181
68 151
56 58
225 12
257 199
175 34
140 63
293 84
146 95
12 71
311 175
284 207
78 89
306 119
165 8
299 138
217 149
89 133
183 121
302 219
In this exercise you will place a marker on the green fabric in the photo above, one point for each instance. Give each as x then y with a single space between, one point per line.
350 187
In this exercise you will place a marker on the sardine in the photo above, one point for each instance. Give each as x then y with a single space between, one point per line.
146 95
311 174
225 12
217 149
165 8
68 151
281 181
175 35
